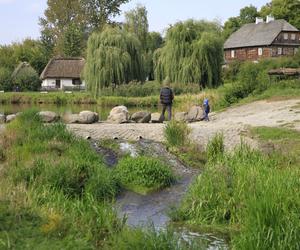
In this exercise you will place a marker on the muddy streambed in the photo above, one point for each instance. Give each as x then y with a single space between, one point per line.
153 209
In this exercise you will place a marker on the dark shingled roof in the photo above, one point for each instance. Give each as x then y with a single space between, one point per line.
63 68
261 34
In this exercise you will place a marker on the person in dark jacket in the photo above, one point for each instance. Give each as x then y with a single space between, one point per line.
166 99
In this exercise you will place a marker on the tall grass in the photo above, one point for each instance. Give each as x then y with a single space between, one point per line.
254 193
176 133
144 174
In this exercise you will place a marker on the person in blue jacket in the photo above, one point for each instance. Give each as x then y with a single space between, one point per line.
206 109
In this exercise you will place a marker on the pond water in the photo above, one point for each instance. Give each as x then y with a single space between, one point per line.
63 109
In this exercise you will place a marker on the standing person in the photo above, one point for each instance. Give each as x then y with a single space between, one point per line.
166 99
206 110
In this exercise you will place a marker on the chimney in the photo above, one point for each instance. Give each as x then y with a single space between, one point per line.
259 20
270 18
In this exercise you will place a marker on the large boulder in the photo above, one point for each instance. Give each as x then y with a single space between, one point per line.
195 114
156 118
88 117
10 118
48 116
2 118
71 118
141 117
118 115
180 116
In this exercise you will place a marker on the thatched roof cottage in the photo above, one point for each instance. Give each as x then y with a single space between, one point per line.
254 41
63 73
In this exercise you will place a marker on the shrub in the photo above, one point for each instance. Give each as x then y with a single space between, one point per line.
5 79
176 133
27 79
144 174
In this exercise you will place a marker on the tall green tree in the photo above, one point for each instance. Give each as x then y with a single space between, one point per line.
58 17
193 53
98 13
283 9
73 41
137 23
247 14
113 58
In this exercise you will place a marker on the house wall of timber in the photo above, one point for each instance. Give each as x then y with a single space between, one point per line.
286 44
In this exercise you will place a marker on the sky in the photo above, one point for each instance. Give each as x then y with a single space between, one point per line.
19 18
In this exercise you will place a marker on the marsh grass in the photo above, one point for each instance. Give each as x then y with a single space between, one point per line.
246 190
144 174
176 134
55 190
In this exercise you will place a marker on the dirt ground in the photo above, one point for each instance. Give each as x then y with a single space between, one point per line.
233 123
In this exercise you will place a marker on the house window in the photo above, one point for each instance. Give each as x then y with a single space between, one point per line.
285 36
57 84
76 81
279 51
232 54
260 51
293 36
295 51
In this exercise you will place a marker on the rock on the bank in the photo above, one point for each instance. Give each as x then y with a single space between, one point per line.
88 117
195 114
2 118
156 118
10 118
71 118
48 116
141 117
181 116
118 115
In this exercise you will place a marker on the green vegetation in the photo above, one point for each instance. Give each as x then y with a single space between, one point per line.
215 147
48 178
192 53
176 133
178 143
56 193
252 195
143 174
149 239
113 57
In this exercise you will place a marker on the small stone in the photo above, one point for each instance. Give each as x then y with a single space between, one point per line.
88 117
156 118
10 118
118 115
141 117
48 116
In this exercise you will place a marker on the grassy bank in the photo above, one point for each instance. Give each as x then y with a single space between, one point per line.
56 193
251 195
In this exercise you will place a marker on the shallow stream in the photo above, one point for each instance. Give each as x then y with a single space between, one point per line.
153 209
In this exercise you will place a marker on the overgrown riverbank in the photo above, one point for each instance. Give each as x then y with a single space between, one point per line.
56 193
252 195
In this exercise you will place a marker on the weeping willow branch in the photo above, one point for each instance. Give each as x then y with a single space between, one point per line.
193 53
113 57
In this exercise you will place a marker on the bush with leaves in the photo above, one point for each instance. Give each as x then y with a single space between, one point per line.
5 79
27 79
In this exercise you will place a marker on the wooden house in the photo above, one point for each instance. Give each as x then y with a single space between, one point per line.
254 41
63 74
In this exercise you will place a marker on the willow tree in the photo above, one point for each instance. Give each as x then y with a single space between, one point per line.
193 53
113 58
